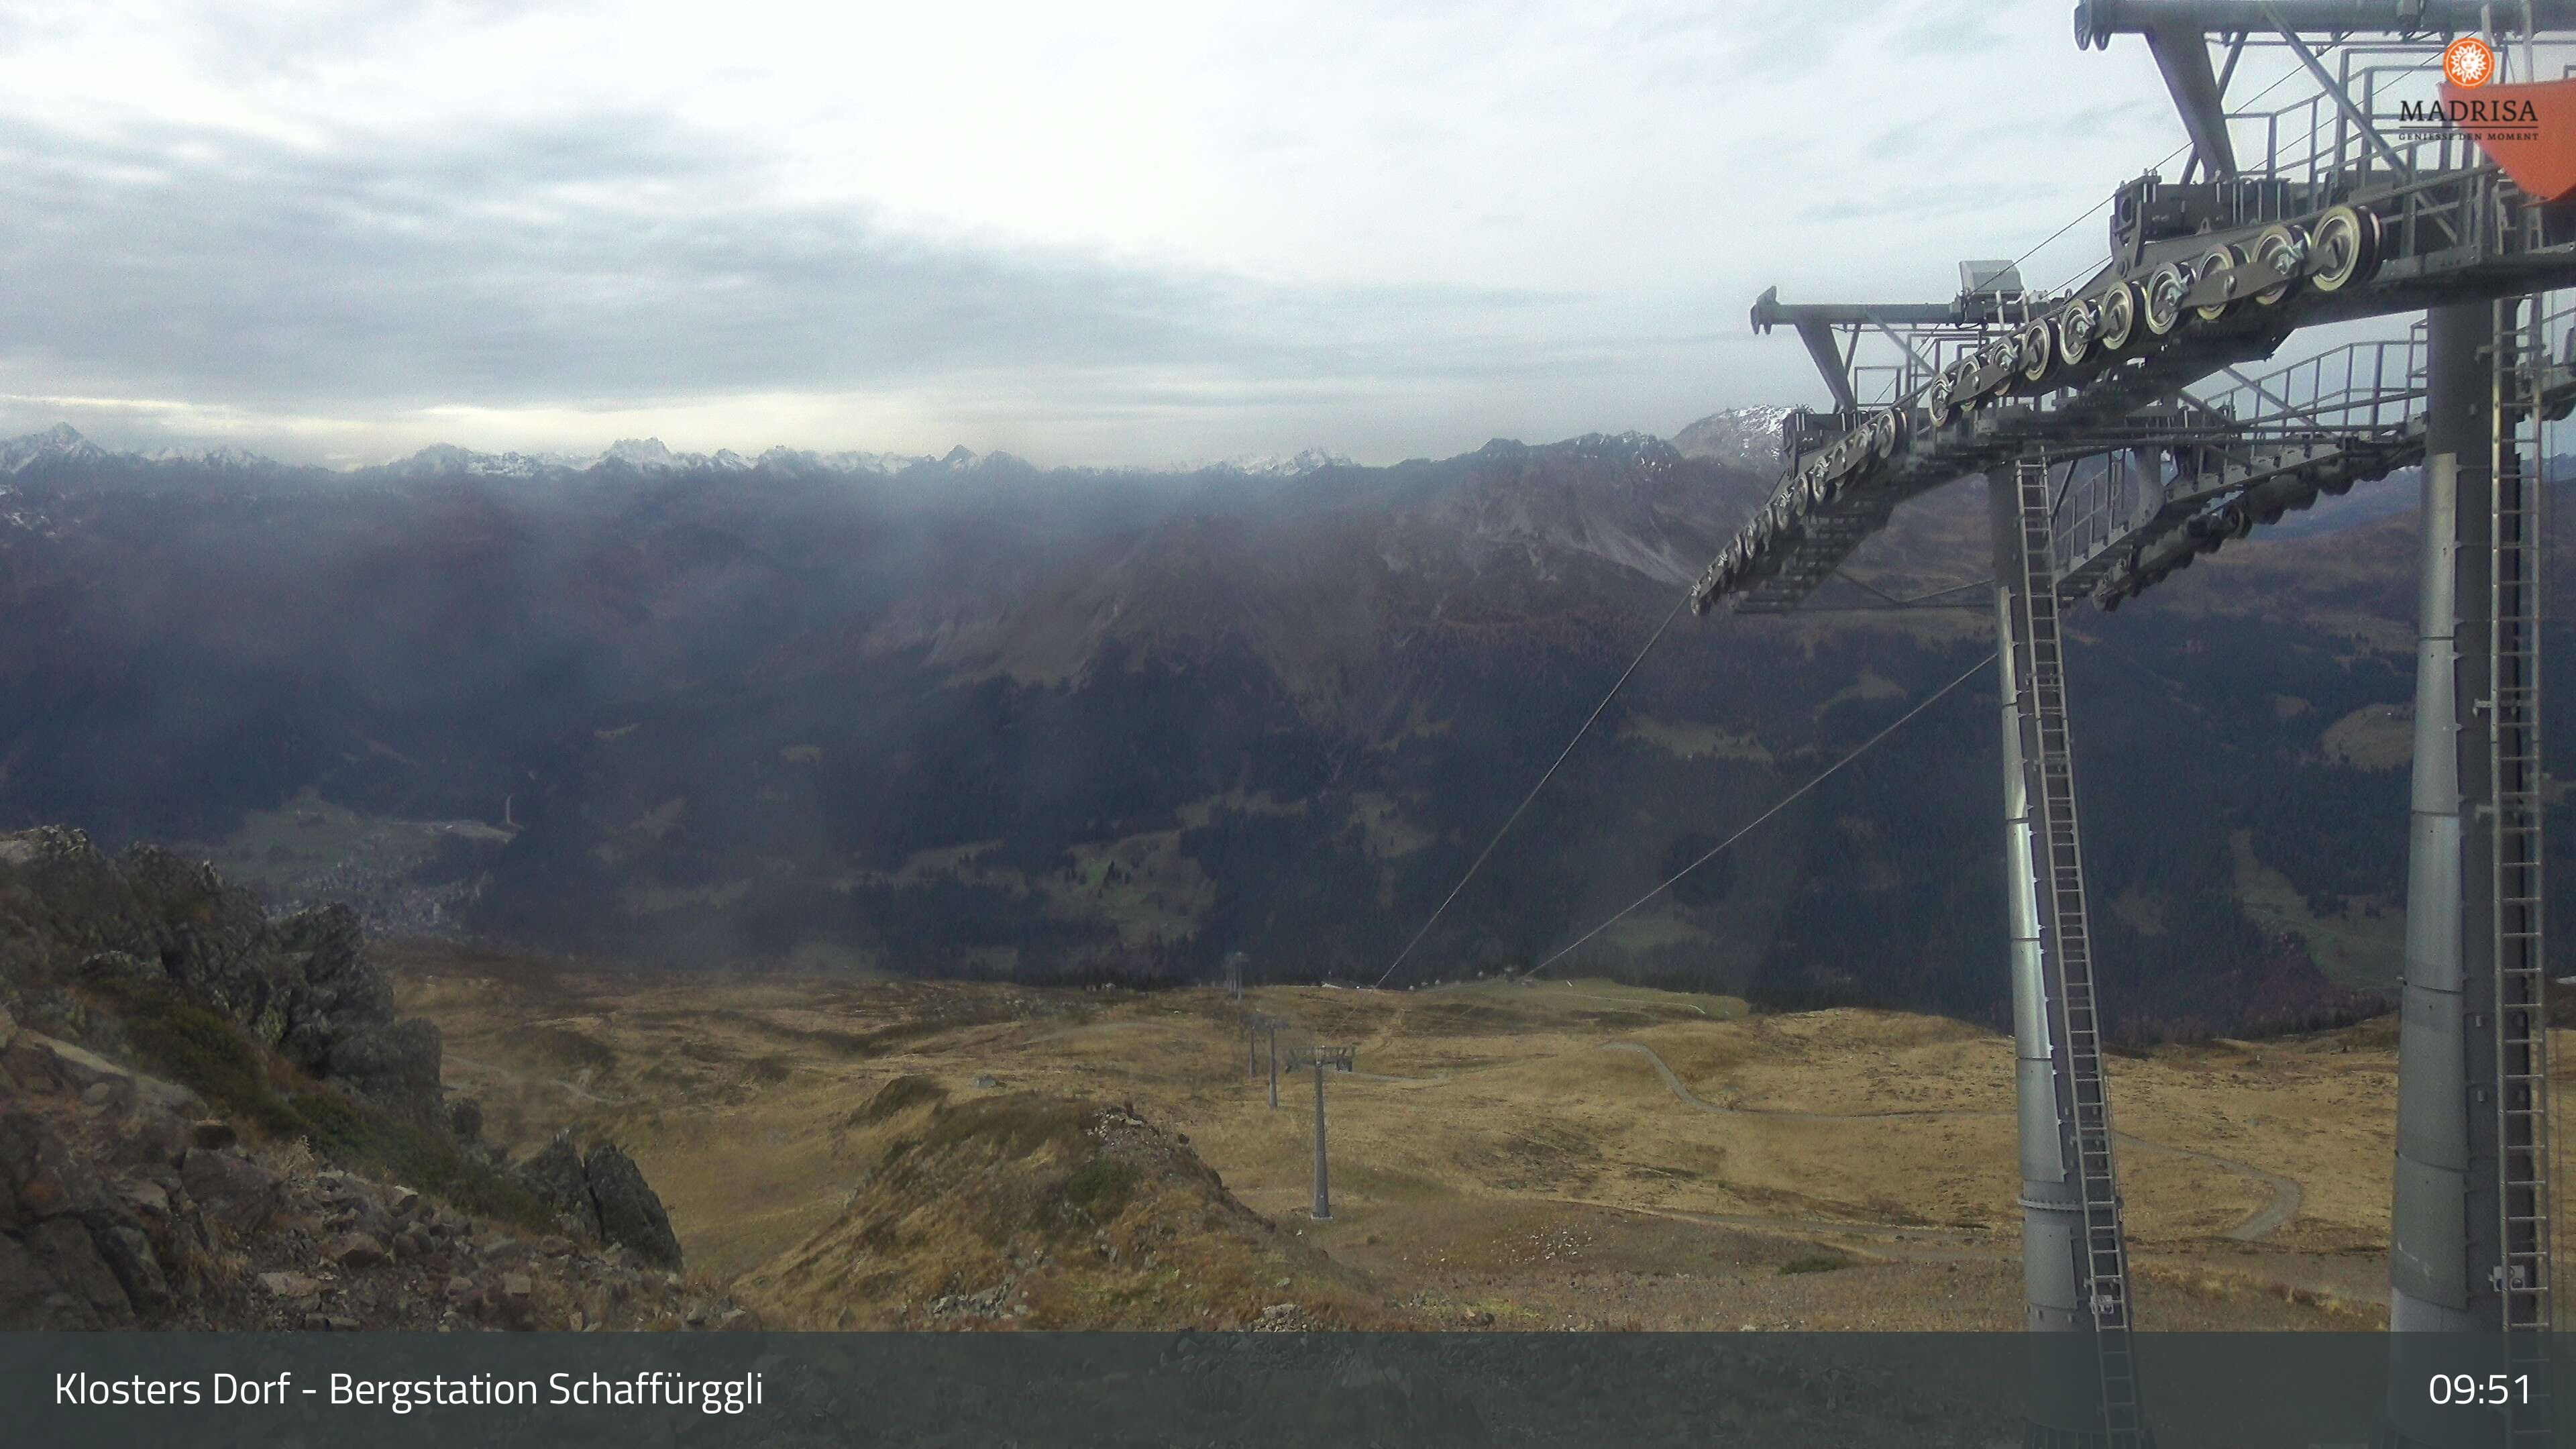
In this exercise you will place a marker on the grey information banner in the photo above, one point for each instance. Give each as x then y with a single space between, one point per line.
1026 1390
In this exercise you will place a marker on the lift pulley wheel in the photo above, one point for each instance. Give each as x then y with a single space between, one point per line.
2002 358
2346 248
2163 311
1952 389
2218 266
2038 350
2076 325
2282 249
2116 317
1885 432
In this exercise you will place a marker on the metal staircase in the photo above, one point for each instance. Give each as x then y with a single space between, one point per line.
2521 1018
2067 955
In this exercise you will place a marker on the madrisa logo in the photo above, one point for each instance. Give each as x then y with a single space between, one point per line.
2486 117
2469 63
2506 113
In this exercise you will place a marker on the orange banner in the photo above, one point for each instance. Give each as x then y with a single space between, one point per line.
2529 130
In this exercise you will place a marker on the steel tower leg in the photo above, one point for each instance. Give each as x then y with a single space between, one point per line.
2074 1260
2469 1239
1323 1191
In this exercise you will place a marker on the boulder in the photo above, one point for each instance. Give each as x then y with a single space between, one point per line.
79 1067
232 1189
152 1139
39 1177
601 1195
332 992
355 1251
84 1292
289 1285
558 1177
29 1296
123 1246
630 1212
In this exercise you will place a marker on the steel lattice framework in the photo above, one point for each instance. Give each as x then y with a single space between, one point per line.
2123 436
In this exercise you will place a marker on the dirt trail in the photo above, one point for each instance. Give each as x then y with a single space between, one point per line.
574 1090
1888 1240
2287 1196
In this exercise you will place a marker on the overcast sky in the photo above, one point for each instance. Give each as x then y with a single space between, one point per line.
1143 233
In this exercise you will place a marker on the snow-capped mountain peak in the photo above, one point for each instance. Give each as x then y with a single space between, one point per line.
222 456
1258 465
60 443
647 454
1742 437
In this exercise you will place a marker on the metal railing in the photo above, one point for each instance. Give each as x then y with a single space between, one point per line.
2268 443
2359 387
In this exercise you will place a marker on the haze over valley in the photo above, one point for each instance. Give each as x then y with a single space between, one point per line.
962 716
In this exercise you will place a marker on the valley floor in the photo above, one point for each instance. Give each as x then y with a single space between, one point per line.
1504 1156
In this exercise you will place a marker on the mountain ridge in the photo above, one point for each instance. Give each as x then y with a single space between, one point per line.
62 445
1064 723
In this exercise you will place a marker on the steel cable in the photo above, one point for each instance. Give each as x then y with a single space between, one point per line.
1784 803
1651 641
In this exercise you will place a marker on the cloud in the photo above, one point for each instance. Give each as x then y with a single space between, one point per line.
617 260
1079 233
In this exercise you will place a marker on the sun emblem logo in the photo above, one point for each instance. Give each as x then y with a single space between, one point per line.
2469 63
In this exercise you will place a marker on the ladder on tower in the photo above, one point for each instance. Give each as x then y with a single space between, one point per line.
2067 955
2521 1017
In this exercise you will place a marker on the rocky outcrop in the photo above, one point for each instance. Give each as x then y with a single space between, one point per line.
127 1200
122 1205
555 1174
630 1212
602 1195
87 1239
302 985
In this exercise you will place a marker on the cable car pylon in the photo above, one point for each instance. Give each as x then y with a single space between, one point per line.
2121 440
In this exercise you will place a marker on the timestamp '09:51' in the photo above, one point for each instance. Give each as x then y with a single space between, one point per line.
2494 1390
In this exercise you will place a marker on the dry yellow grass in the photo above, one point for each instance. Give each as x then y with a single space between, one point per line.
1506 1154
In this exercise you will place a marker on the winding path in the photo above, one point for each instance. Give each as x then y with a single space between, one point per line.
574 1090
2287 1196
1430 1081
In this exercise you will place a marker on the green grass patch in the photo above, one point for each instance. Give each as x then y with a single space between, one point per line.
1102 1187
199 1048
896 1096
1825 1262
1015 1125
572 1048
208 1053
356 1134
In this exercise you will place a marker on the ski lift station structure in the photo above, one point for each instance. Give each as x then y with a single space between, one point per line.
2121 438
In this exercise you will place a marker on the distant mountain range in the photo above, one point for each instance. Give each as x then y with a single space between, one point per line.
1065 721
62 446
